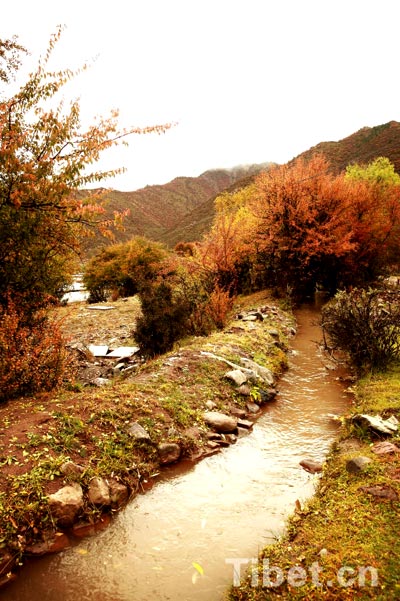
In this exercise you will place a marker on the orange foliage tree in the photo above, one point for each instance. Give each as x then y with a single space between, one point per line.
374 208
317 228
303 229
46 165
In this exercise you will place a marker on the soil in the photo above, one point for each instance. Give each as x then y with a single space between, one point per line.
89 425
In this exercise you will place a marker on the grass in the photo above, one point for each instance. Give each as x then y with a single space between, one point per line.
344 543
89 426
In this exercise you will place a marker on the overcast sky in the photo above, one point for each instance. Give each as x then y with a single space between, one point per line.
246 81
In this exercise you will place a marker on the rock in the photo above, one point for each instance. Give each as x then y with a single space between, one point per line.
263 373
119 493
84 529
377 423
252 407
213 444
381 491
213 436
66 503
259 315
56 544
245 423
267 395
99 492
81 350
274 333
249 318
244 390
357 464
211 405
313 467
123 352
98 350
168 452
241 413
231 438
236 376
139 433
385 448
220 422
69 468
223 442
128 370
99 382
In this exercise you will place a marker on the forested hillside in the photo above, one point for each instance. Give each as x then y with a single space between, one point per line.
155 210
183 209
363 146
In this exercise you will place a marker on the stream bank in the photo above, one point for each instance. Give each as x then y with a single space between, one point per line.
80 435
174 541
344 542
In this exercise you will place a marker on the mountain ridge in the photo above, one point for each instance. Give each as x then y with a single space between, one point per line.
183 209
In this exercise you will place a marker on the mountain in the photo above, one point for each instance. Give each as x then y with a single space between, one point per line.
158 211
362 147
199 220
183 209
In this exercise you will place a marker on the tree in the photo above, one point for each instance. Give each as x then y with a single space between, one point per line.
10 58
46 165
380 171
374 201
227 251
123 269
304 229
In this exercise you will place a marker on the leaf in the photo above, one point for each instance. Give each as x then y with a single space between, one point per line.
198 567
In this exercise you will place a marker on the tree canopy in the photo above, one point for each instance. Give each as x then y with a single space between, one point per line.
47 164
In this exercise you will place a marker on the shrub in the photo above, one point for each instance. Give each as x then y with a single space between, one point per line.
120 270
179 304
32 353
165 319
366 325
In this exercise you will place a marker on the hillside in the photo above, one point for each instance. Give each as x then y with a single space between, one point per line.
363 146
183 209
155 210
199 220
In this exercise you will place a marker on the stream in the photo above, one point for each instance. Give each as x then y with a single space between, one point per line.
172 542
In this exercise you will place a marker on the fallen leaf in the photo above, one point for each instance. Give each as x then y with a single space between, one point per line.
198 567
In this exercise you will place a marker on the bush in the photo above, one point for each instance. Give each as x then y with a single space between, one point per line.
32 353
120 270
164 321
180 303
366 325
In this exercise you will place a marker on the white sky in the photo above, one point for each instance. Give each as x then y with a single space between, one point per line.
247 81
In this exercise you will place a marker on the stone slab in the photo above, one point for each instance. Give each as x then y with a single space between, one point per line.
99 308
98 350
123 351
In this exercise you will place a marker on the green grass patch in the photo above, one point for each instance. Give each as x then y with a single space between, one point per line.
344 543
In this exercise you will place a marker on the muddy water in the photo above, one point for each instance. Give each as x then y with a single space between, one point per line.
226 507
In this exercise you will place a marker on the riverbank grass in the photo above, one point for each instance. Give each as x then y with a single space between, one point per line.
344 544
91 426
